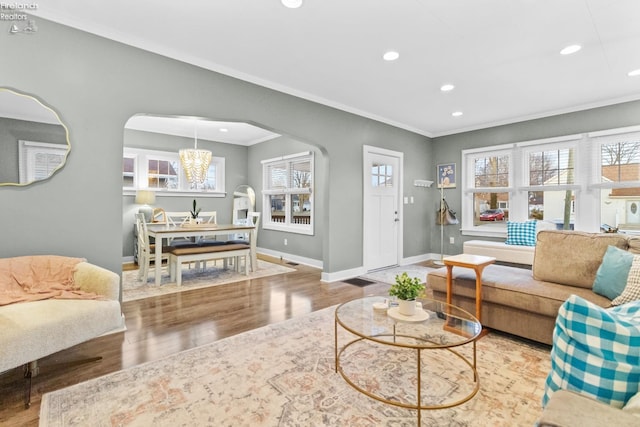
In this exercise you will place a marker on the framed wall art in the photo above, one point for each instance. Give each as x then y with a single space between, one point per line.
447 175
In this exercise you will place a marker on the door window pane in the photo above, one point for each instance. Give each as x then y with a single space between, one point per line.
381 175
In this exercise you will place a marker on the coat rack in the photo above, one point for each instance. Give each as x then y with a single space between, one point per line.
441 261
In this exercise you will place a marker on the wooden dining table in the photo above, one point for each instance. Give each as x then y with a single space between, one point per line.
162 231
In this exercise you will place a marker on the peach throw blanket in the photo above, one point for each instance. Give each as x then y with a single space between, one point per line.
33 278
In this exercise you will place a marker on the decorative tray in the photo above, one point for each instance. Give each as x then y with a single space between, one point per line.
420 315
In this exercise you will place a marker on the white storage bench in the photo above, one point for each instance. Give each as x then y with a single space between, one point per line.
500 251
515 254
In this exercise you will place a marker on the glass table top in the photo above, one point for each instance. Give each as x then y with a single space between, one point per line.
444 325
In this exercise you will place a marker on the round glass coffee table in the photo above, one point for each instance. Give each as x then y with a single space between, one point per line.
437 326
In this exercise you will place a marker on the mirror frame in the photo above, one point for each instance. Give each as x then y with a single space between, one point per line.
57 116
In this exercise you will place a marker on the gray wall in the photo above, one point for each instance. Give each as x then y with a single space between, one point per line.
448 148
97 84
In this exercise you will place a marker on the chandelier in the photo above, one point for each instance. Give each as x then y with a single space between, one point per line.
195 162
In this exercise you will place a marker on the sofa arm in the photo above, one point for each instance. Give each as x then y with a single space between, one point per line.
91 278
570 409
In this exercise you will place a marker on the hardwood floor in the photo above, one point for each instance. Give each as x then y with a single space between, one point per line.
161 326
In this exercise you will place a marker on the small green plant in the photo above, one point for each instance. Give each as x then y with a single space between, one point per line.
406 288
195 211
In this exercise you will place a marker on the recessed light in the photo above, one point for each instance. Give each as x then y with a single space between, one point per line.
456 113
224 130
447 87
634 73
570 49
392 55
292 4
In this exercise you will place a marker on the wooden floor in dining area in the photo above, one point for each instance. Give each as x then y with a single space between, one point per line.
161 326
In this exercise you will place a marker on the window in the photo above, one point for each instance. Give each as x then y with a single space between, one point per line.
38 160
562 180
288 193
517 182
161 171
618 180
491 177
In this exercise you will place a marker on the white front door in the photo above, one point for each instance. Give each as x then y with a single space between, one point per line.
382 216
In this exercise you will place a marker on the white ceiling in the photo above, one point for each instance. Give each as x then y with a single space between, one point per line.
238 133
501 55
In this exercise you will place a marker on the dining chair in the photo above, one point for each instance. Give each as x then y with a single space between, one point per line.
145 250
252 218
178 219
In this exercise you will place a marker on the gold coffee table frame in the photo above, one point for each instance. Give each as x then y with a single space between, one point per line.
452 325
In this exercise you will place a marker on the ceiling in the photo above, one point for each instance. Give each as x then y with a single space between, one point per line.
501 55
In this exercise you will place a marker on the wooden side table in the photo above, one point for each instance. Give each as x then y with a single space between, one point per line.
475 262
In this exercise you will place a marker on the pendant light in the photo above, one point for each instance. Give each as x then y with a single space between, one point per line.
195 162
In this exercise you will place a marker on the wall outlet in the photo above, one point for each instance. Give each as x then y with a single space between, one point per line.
452 240
285 242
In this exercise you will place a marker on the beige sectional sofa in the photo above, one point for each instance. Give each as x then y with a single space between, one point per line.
525 302
35 329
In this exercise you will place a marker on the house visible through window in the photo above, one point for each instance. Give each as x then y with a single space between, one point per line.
288 193
162 171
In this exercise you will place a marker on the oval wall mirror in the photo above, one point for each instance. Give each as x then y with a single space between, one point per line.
33 140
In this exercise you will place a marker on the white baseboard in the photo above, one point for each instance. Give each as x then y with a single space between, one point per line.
342 275
290 257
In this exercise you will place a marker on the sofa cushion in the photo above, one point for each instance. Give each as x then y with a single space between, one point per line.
596 351
521 233
611 277
572 257
513 287
32 330
631 291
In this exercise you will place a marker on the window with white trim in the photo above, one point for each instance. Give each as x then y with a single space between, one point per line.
38 160
617 160
588 182
288 193
162 171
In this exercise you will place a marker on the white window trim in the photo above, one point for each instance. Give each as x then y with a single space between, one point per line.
26 155
288 226
140 178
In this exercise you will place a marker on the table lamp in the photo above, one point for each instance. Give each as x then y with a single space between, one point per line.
146 198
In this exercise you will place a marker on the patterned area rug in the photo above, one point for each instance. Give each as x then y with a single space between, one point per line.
388 275
192 278
283 375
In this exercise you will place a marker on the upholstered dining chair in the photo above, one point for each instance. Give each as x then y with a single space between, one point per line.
145 249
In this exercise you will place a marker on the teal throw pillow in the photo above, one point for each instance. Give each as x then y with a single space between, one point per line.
611 277
521 233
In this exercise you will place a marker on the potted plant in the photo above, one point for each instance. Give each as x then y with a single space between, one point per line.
195 212
406 289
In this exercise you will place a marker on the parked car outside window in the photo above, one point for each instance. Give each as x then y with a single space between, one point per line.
492 215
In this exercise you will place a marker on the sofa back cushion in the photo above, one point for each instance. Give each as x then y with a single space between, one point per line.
572 257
